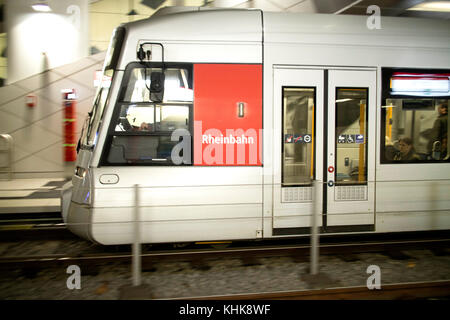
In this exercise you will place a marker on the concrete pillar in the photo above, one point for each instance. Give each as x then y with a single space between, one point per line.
38 40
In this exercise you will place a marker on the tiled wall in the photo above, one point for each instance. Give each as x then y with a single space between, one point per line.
38 131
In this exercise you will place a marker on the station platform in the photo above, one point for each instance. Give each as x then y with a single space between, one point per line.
30 195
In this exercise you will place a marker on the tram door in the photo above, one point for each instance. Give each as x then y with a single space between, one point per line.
324 129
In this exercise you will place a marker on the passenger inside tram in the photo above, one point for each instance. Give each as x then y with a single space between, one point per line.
438 133
407 151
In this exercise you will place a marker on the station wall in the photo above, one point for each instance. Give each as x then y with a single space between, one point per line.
38 131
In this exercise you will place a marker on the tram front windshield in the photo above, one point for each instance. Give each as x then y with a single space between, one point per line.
90 129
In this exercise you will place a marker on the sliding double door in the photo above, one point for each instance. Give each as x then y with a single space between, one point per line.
324 130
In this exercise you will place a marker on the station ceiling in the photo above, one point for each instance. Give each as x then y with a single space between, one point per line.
105 15
358 7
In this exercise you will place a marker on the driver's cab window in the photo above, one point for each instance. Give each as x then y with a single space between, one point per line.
143 122
152 118
177 85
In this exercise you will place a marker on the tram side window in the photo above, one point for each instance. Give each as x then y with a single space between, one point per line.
141 130
415 130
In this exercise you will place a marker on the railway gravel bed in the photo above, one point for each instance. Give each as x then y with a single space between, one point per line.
216 276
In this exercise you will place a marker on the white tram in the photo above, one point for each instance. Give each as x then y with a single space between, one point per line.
227 119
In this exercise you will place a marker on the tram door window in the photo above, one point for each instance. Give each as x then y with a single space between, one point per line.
298 136
351 135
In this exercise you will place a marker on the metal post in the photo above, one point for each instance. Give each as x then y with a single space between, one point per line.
136 262
314 254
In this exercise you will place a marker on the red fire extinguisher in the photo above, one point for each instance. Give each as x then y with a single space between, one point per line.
69 123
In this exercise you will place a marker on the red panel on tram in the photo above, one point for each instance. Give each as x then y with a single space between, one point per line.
227 114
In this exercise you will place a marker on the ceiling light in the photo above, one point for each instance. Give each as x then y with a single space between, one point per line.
440 6
41 7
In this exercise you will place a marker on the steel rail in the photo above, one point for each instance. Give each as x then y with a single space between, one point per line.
397 291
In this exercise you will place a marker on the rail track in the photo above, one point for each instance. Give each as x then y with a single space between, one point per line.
249 254
201 258
400 291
